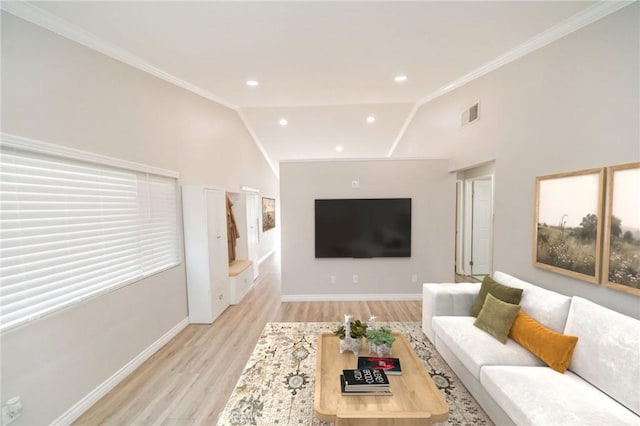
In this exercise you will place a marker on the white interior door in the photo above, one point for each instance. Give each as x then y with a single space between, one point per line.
459 264
218 254
481 229
253 229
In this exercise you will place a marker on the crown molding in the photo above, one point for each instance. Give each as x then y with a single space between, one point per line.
404 128
44 19
358 159
574 23
580 20
253 134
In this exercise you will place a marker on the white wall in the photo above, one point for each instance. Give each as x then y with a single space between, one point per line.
432 190
569 106
57 91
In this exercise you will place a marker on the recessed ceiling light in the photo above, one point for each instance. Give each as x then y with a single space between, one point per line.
283 122
371 119
339 148
400 78
252 83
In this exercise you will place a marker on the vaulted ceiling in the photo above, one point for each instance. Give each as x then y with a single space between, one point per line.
324 67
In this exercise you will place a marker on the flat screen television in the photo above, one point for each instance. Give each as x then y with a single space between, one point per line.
363 228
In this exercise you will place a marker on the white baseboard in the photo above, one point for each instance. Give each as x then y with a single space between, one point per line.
73 413
265 257
348 297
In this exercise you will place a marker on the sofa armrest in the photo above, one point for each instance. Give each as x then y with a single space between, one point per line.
446 299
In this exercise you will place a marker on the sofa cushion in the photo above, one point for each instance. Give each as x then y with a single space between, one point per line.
608 352
475 348
446 299
553 348
545 306
541 396
502 292
496 317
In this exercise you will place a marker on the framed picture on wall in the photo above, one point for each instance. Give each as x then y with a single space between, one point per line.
567 223
268 213
621 263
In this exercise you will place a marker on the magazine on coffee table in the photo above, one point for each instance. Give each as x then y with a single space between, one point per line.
391 366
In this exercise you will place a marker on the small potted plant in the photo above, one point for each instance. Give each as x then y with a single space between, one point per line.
380 341
351 340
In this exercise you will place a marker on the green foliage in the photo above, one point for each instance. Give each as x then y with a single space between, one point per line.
357 330
624 256
624 264
575 250
566 250
339 331
589 227
381 336
616 227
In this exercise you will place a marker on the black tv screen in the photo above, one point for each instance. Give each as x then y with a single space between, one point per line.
363 227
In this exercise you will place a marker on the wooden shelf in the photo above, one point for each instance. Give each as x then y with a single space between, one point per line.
237 266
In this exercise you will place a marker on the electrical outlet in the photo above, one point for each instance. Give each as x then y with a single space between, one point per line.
414 278
11 411
332 279
355 278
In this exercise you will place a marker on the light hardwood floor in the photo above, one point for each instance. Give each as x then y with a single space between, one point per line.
190 379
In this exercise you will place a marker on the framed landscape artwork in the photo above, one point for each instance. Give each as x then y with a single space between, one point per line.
268 213
567 236
621 265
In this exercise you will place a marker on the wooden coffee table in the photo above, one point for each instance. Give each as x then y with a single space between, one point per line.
415 401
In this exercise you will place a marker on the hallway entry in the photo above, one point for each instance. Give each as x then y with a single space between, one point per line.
474 221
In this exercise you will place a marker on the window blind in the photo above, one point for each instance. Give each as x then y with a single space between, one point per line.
71 229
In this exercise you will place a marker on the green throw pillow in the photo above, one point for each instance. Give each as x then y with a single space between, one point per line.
502 292
496 317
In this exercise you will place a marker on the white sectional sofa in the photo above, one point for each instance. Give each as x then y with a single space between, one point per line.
601 386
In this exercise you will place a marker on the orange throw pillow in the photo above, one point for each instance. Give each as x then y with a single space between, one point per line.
553 348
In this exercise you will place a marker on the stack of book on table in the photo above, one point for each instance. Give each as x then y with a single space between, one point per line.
391 366
364 381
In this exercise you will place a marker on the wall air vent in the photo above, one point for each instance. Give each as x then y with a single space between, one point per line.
470 115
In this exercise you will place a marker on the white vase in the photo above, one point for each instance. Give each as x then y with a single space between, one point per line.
350 344
380 350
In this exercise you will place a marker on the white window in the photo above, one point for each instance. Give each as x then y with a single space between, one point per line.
74 225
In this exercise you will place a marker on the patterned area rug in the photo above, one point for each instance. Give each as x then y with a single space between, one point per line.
277 385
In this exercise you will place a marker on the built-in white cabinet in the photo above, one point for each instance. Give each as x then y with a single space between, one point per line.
205 237
240 280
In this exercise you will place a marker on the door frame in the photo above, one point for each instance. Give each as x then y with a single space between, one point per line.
464 222
459 260
250 192
472 256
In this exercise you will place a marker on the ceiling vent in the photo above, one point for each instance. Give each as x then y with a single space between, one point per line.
470 115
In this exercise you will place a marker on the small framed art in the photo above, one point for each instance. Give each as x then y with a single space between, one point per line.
268 213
